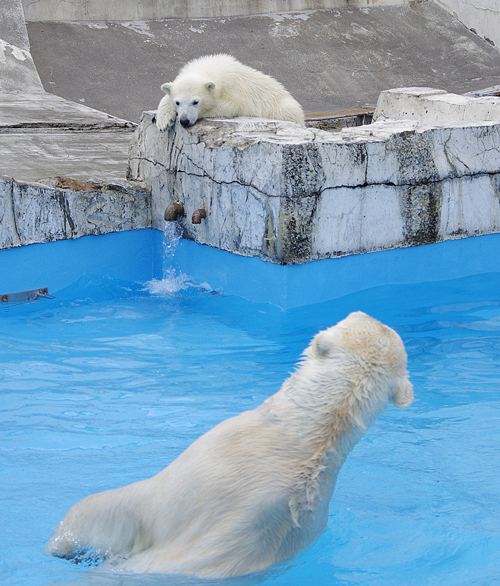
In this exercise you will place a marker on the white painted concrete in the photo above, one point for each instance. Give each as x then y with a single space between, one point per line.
17 70
481 15
433 107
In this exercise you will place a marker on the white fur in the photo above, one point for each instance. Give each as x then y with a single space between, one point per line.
218 86
256 488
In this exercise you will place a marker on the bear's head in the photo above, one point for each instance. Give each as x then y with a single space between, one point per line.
371 355
193 98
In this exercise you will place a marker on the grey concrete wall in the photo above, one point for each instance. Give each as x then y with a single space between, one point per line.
329 60
123 10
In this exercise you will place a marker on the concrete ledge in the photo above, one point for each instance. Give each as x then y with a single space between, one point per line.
292 195
433 107
44 110
63 172
33 213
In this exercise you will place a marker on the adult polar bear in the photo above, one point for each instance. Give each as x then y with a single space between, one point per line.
220 86
256 488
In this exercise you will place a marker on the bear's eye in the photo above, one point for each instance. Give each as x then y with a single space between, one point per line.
177 103
196 102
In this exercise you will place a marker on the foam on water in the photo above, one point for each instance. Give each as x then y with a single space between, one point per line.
173 283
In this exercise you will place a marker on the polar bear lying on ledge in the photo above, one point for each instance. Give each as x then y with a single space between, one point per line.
218 86
256 488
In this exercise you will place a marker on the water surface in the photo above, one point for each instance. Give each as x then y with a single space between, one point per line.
108 383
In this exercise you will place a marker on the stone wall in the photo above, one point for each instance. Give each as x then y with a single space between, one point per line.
291 195
33 212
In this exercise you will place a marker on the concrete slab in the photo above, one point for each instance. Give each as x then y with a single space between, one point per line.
42 135
291 195
329 60
47 110
87 156
434 107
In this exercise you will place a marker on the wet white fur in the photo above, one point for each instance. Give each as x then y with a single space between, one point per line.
219 86
256 488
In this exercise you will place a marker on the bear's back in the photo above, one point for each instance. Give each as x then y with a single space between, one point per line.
211 66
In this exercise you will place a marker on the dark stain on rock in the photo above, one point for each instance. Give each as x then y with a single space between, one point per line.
302 170
304 179
415 157
63 203
421 191
421 211
495 182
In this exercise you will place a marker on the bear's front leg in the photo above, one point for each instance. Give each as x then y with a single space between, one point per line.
166 114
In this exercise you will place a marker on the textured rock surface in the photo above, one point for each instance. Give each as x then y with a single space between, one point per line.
32 212
291 195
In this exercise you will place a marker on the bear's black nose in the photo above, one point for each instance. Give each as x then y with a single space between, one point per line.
185 122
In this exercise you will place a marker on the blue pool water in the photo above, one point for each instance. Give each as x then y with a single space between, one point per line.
108 382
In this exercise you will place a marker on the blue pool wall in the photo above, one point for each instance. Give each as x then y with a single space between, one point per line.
127 256
138 256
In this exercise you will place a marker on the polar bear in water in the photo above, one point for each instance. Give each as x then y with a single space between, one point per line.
255 489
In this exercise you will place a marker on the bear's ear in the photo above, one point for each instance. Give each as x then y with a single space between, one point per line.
210 85
403 395
321 344
166 87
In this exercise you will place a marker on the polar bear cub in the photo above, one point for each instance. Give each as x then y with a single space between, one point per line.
220 86
256 488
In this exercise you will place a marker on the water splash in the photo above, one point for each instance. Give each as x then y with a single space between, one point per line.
173 281
172 233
